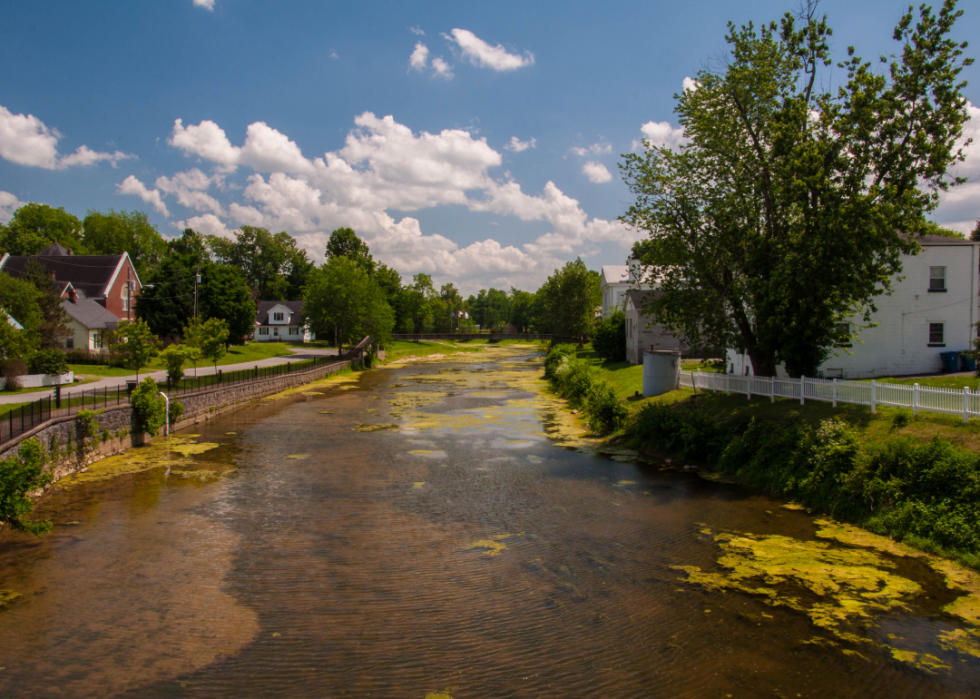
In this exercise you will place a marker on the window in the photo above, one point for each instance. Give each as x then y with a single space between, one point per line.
937 334
70 342
937 279
842 332
95 340
125 299
294 331
263 331
277 316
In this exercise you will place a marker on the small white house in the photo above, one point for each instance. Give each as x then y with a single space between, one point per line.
281 321
642 335
932 310
615 281
88 322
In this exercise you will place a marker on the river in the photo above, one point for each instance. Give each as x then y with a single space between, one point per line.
439 530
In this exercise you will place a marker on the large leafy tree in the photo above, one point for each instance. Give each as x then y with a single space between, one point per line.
272 264
224 294
344 242
21 300
342 298
784 212
36 226
129 231
53 329
166 302
566 303
521 309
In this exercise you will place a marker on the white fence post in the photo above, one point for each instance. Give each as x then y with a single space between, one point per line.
728 384
835 393
966 404
802 386
748 392
873 411
915 399
772 389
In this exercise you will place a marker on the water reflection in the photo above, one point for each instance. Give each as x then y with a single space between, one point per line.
453 550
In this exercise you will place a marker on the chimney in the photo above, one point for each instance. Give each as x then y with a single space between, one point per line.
52 277
69 252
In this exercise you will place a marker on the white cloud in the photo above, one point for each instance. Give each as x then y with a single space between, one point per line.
419 58
334 54
441 68
662 134
959 208
8 205
131 185
206 4
26 140
519 146
596 172
189 188
482 54
265 149
595 149
208 224
206 140
417 30
690 84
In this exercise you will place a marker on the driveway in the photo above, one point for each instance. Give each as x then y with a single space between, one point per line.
299 354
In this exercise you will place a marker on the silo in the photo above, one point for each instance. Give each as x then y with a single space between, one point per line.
661 372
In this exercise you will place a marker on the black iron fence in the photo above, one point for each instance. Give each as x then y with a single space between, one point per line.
63 403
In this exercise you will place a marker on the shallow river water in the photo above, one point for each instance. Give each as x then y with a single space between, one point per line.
438 530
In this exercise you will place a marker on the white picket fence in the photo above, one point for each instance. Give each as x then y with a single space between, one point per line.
872 393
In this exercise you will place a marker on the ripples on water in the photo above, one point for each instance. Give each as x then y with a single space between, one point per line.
462 554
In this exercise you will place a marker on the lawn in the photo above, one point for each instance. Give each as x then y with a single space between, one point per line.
237 354
65 387
957 382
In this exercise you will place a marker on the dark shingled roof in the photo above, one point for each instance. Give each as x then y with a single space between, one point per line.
638 298
89 274
263 308
91 314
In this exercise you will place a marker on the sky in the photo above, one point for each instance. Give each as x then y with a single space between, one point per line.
476 142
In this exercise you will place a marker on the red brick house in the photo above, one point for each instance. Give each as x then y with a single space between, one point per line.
109 280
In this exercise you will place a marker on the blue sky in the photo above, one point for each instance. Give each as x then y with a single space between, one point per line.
489 161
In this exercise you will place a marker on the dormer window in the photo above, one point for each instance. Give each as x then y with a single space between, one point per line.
278 315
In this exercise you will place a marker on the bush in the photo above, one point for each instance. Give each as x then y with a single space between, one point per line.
81 356
51 362
12 369
609 340
20 475
149 409
87 422
606 412
573 379
176 412
902 418
554 357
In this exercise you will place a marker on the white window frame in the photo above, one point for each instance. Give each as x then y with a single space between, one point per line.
933 277
931 342
263 331
278 315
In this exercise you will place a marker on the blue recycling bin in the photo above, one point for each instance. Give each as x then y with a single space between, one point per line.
968 363
951 361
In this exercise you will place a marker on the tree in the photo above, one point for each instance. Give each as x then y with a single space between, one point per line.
609 341
174 357
129 231
14 343
51 362
34 227
21 301
272 264
344 242
782 214
149 407
139 345
521 308
975 234
933 228
342 297
21 474
53 330
213 339
568 299
224 294
192 340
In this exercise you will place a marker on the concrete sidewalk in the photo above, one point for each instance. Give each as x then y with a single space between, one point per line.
299 354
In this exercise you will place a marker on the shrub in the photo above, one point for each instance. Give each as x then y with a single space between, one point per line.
87 422
609 340
606 412
19 475
176 412
81 356
574 378
554 357
148 408
902 418
51 362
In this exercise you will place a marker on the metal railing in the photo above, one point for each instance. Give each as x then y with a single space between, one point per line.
871 393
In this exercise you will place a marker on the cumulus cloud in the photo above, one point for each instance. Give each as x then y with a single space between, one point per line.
417 30
26 140
595 149
690 84
441 68
206 4
419 58
482 54
265 149
596 172
133 186
661 134
959 208
519 146
8 205
383 167
208 224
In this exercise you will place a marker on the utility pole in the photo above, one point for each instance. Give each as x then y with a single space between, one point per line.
129 293
197 280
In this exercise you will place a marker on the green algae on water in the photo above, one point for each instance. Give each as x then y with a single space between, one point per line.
374 428
7 596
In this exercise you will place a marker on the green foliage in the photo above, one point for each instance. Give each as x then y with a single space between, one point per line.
52 331
490 309
212 339
129 231
343 300
975 233
781 214
574 380
51 362
609 341
566 303
607 413
933 228
87 422
14 343
149 408
139 345
554 357
21 301
344 242
175 357
36 226
521 309
902 418
20 475
224 294
176 412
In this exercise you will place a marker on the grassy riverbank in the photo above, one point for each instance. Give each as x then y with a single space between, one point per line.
913 478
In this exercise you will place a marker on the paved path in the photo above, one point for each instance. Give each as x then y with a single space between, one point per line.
299 354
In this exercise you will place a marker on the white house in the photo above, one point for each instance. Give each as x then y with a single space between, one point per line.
932 310
88 322
281 321
642 335
615 281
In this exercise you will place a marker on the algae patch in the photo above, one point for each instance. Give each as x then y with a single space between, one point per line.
189 448
7 596
172 453
492 547
374 428
418 484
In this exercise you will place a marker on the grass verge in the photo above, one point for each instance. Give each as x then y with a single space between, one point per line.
402 349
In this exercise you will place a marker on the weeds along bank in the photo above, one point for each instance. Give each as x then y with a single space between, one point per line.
915 479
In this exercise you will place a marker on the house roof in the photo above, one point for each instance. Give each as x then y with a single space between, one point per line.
89 274
638 298
942 240
615 274
263 309
91 314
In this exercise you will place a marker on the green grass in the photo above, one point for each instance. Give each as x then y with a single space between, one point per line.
237 354
957 382
7 407
400 349
65 387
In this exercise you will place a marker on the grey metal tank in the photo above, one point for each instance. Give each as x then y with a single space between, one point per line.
661 372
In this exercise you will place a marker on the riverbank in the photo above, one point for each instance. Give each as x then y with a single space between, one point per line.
915 479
